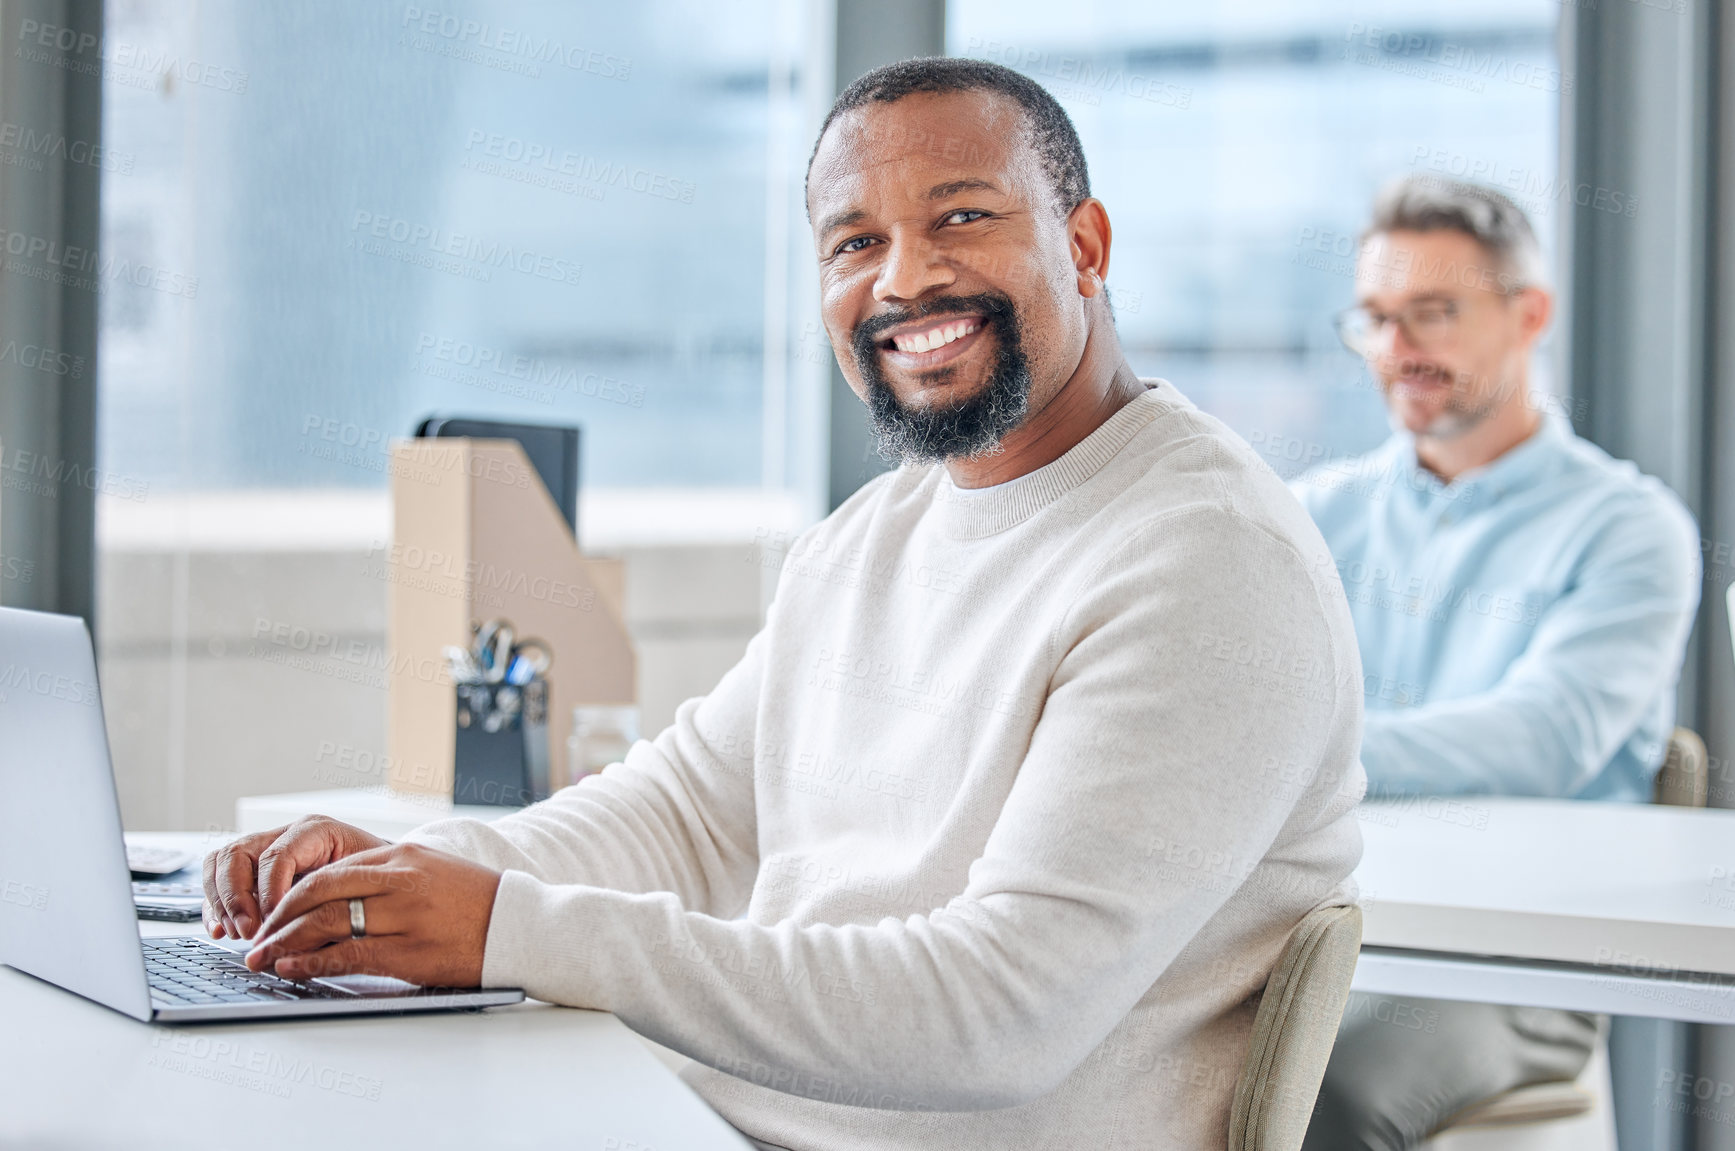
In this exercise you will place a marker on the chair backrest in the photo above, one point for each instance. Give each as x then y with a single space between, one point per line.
1293 1032
1683 780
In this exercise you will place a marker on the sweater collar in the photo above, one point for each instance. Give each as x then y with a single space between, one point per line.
973 513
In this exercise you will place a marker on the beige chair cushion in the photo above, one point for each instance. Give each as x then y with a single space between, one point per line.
1536 1103
1683 780
1293 1032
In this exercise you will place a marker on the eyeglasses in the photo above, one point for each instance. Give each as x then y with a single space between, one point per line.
1427 324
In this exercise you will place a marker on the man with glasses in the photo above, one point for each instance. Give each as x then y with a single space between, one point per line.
1521 602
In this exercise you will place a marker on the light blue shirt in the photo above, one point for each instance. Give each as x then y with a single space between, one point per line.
1522 628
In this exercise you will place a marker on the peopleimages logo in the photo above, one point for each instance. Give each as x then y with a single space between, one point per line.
482 147
507 48
15 677
1459 65
37 358
18 570
21 894
1080 77
24 139
45 258
130 64
36 474
543 378
475 257
233 1062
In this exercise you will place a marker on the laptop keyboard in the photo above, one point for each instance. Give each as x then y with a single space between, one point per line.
192 971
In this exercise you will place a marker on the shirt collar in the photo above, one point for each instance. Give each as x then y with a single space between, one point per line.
1517 468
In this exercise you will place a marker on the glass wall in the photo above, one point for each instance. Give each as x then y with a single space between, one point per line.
336 219
1238 146
325 221
357 214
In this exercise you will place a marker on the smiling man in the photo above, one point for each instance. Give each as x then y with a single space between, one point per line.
1521 600
1047 744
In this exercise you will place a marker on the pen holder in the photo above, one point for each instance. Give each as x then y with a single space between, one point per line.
501 755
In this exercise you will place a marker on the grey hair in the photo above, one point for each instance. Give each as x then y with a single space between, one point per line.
1424 203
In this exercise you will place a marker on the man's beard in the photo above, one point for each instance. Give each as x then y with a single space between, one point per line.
1461 414
1456 421
971 428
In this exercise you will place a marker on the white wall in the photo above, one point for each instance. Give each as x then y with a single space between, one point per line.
215 686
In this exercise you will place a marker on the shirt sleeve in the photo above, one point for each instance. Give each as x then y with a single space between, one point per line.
676 816
1306 490
1601 655
1148 794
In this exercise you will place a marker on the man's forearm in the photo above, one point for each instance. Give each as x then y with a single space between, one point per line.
1464 749
678 815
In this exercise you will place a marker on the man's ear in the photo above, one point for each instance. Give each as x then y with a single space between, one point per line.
1535 308
1088 231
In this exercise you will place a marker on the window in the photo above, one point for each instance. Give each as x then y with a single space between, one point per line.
1238 146
339 218
355 215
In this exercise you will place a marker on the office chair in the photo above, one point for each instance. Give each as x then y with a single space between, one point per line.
1683 780
1573 1116
1293 1032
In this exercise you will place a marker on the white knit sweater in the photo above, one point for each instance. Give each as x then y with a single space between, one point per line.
995 832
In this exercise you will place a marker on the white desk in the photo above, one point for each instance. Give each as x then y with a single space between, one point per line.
76 1074
387 814
1624 909
1616 908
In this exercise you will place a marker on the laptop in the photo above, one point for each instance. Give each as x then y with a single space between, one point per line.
66 898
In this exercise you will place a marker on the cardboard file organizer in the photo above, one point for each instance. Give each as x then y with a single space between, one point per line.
477 537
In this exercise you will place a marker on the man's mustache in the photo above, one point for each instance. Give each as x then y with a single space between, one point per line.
1424 369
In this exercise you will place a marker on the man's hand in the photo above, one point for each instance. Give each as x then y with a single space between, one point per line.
246 879
427 918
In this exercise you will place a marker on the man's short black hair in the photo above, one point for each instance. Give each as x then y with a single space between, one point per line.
1051 131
